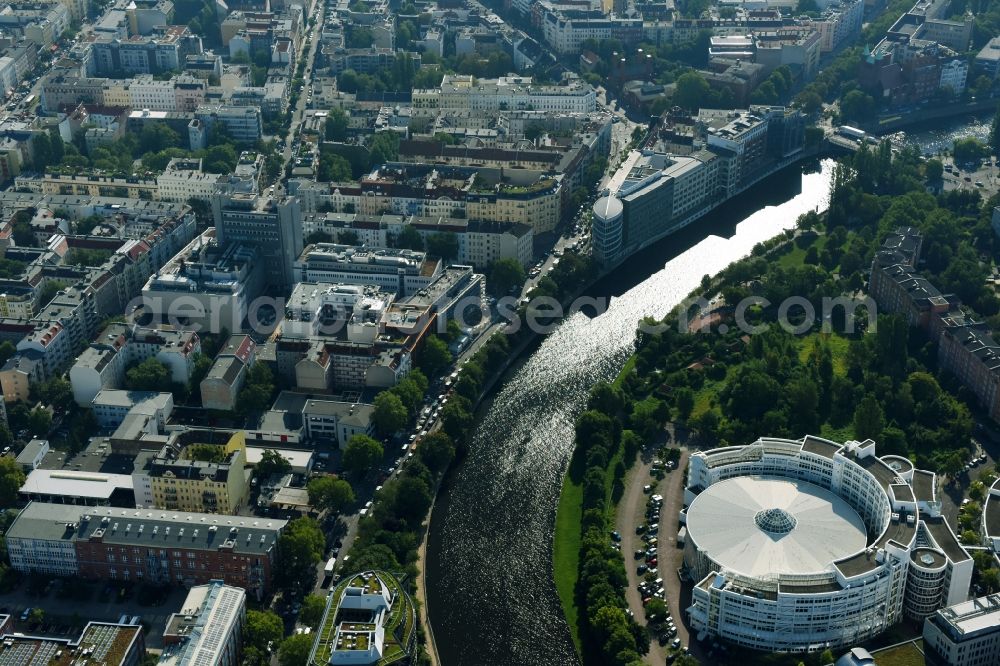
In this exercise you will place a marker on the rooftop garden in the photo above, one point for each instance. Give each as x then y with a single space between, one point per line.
400 622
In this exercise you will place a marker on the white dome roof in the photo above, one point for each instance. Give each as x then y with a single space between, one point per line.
760 526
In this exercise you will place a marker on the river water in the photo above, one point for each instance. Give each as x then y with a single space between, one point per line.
491 596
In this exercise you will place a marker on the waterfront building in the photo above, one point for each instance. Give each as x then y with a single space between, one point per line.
802 545
368 618
661 192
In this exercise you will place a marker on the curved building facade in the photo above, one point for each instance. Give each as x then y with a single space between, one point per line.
802 545
608 229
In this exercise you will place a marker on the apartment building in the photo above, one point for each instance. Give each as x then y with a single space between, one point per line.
208 285
174 547
169 480
111 406
330 420
164 49
242 123
225 379
514 93
183 179
119 346
101 642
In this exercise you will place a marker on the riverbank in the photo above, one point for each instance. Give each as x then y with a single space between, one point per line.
490 550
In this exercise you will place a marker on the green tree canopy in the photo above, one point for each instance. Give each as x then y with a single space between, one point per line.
311 613
272 462
362 454
390 414
262 627
504 275
328 493
435 357
11 480
150 375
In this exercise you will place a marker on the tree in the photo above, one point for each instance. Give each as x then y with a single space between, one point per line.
272 462
157 136
7 349
328 493
55 391
39 422
150 375
968 149
300 547
691 91
262 627
295 650
49 290
384 148
857 106
456 418
311 613
435 356
436 450
505 274
444 245
333 168
869 419
11 480
37 616
390 414
410 239
413 499
336 125
362 454
684 399
933 171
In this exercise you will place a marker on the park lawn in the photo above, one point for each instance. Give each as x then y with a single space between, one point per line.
839 348
626 371
566 552
796 257
568 538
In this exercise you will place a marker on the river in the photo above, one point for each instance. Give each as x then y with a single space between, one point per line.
491 596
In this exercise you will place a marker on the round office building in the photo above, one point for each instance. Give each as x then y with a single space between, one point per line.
803 545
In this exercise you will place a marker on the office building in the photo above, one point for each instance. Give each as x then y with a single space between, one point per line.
274 228
965 634
801 545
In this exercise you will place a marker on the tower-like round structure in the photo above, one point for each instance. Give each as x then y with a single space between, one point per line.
608 228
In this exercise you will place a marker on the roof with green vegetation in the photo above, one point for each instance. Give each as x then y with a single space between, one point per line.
400 620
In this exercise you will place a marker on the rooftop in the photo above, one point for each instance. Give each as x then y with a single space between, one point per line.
991 512
54 522
66 483
970 617
945 538
759 526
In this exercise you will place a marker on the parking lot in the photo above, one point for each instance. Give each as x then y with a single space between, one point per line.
647 523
